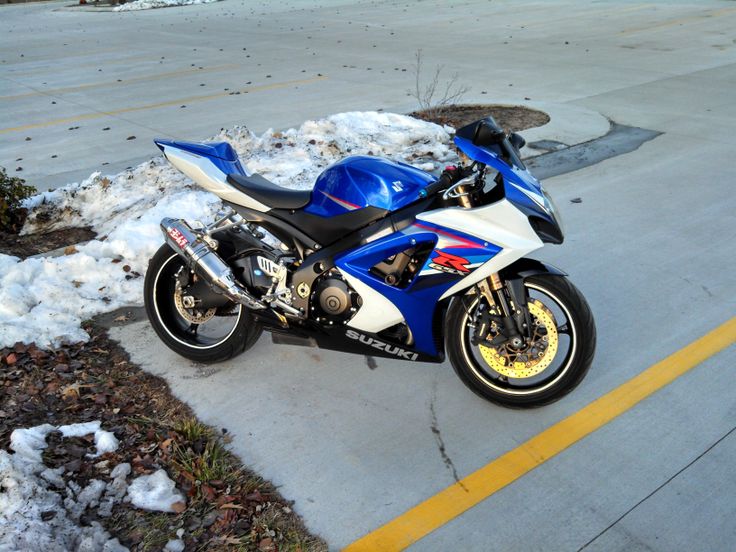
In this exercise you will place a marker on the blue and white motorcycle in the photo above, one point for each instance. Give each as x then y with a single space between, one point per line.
379 259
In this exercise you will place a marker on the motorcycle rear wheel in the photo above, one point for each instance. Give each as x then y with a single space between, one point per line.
570 341
221 335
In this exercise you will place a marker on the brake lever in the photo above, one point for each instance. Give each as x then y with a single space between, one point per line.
451 193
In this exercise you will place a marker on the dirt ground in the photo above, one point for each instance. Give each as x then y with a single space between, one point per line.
34 244
513 118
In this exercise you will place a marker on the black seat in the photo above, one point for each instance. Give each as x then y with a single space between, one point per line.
268 193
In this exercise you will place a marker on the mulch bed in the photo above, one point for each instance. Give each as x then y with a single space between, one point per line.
228 507
512 118
34 244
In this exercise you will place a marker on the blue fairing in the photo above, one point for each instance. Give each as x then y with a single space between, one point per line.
362 181
418 301
221 154
520 186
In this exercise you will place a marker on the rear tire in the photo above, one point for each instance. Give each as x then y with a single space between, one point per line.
176 332
553 382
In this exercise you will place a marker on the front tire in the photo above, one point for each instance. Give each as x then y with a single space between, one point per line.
230 332
493 378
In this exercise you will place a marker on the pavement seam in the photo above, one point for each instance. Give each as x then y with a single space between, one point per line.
434 426
655 491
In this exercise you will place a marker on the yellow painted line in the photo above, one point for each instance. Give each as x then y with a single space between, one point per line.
632 9
681 21
121 82
580 15
76 66
99 114
446 505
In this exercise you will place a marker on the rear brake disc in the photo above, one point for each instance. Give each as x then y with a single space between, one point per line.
192 315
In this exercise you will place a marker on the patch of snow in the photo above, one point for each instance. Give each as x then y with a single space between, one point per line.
153 4
116 489
175 545
78 500
35 517
121 470
29 443
429 167
155 492
113 545
105 441
53 477
45 299
80 429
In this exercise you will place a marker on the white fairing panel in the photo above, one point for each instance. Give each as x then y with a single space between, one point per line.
377 312
206 174
500 223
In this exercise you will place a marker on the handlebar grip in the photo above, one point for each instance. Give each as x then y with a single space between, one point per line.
444 182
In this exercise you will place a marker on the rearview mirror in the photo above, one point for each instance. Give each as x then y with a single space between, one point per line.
517 140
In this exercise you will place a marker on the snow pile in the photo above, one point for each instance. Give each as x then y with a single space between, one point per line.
105 441
39 510
45 299
294 158
155 492
34 516
152 4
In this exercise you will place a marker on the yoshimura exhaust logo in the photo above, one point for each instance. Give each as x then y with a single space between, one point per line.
381 346
178 237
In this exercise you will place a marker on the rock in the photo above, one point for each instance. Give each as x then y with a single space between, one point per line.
210 518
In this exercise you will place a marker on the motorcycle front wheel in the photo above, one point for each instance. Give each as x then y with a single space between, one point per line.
551 363
204 335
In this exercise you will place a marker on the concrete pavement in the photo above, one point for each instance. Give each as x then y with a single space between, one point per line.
76 85
651 246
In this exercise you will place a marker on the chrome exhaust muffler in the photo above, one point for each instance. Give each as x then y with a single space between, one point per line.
200 255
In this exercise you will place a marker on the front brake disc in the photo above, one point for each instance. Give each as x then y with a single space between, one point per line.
538 354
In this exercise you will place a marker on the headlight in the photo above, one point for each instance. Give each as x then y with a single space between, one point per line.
551 206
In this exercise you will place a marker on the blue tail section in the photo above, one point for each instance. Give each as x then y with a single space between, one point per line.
221 154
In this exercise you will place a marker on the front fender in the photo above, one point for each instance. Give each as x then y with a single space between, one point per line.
515 274
523 268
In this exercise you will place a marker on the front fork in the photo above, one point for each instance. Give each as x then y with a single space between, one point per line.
513 318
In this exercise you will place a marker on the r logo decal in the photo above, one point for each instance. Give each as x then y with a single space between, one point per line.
447 262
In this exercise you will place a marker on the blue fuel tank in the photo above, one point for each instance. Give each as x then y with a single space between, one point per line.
362 181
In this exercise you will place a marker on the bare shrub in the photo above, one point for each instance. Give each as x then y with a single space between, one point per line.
12 193
434 96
